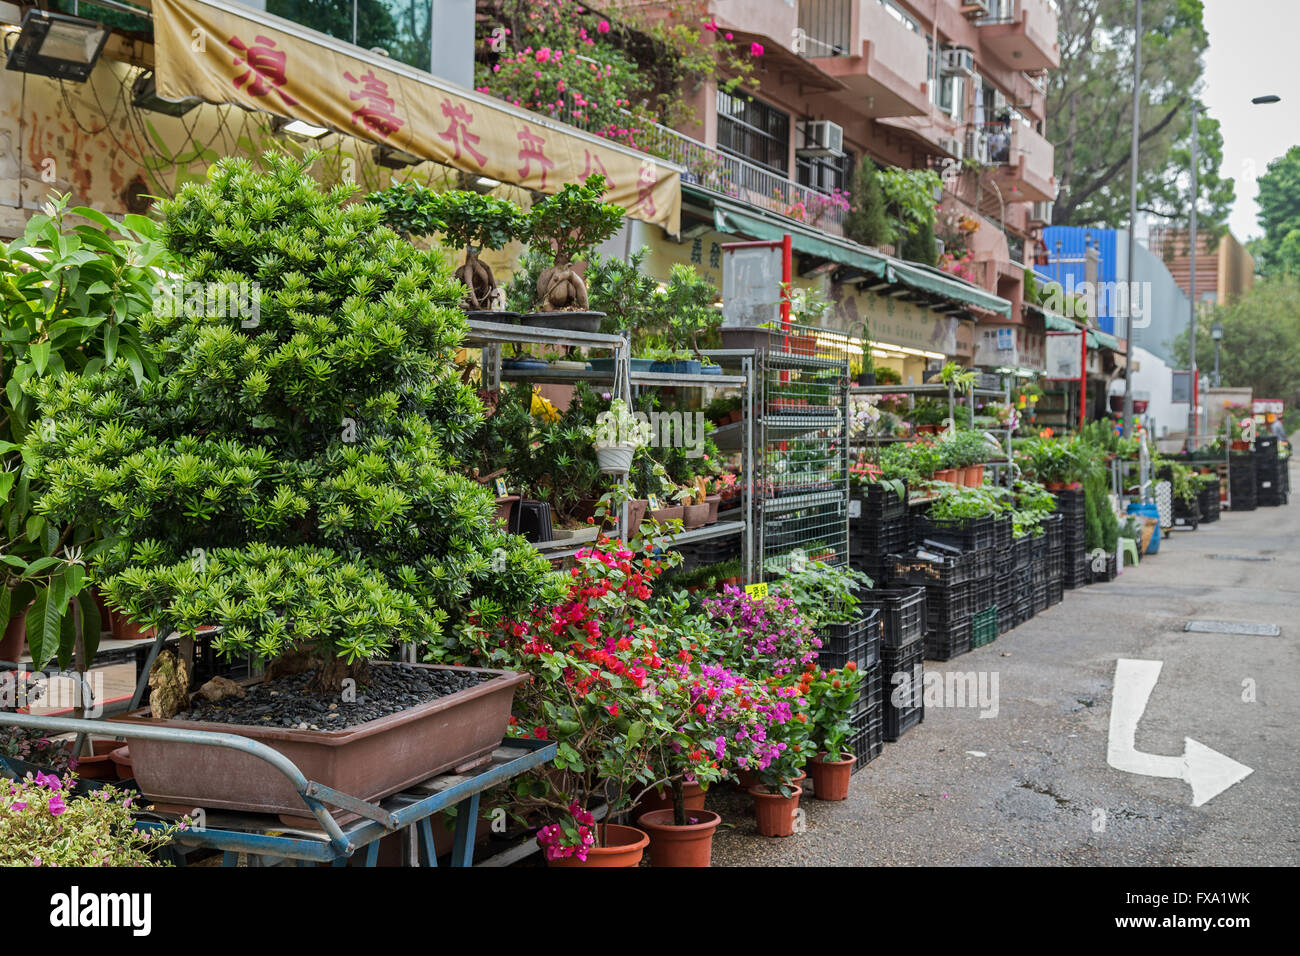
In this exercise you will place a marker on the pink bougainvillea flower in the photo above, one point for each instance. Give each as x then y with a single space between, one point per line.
711 25
542 55
57 805
756 49
730 36
602 26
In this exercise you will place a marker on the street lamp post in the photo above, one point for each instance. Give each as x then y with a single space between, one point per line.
1132 222
1191 338
1216 333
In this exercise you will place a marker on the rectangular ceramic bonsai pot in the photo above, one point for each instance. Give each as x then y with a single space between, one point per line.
370 760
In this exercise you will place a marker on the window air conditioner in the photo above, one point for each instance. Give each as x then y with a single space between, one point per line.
820 138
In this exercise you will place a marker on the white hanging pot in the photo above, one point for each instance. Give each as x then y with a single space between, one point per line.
615 459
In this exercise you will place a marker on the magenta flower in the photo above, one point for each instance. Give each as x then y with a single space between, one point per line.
602 26
756 49
543 54
57 805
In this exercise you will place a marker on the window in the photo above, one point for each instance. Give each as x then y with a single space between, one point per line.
825 173
754 131
398 27
950 96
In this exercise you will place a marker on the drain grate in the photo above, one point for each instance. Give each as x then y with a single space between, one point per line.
1241 557
1233 627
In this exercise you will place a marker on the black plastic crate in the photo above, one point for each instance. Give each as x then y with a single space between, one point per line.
876 567
981 563
969 534
858 642
1054 531
902 612
1002 531
983 594
1055 592
1023 549
929 568
1004 560
877 501
1070 502
902 687
1265 447
945 606
866 735
945 643
1103 573
1040 597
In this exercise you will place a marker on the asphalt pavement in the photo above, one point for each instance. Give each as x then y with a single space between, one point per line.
1033 786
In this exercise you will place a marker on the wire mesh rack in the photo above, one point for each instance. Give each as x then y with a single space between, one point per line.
801 476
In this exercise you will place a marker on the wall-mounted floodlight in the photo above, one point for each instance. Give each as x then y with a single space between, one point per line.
57 45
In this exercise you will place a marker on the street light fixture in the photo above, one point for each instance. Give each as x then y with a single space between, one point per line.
1267 98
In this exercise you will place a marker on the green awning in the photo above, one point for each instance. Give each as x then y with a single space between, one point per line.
729 219
934 281
805 239
1103 340
1057 323
1097 339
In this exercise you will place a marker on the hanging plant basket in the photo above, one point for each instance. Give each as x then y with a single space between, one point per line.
615 459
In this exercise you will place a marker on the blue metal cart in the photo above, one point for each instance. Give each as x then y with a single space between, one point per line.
268 839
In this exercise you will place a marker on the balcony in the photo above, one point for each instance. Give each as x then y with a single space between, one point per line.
882 63
734 178
1025 161
1022 34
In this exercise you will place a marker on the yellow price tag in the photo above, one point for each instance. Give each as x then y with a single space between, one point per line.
757 591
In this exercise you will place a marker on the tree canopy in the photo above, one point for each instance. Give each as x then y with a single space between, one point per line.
1089 108
1278 252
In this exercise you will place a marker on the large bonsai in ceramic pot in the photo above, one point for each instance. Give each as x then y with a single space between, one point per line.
291 473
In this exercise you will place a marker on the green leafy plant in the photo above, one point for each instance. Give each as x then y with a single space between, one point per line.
291 476
824 593
71 298
465 219
568 224
832 695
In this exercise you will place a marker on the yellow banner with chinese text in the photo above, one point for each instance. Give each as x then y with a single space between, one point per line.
226 54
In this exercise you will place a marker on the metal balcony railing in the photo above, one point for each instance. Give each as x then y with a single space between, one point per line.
731 176
824 28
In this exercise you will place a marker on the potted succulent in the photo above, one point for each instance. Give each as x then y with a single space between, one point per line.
290 477
569 224
832 696
617 435
466 220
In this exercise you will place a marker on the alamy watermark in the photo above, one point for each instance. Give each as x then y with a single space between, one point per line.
974 689
210 300
53 690
1084 300
674 429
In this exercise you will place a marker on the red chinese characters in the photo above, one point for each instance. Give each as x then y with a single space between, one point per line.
531 150
376 112
266 68
594 165
646 181
457 132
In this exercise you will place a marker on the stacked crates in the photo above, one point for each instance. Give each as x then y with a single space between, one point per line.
949 577
902 687
1074 557
1241 481
1271 473
866 736
878 526
1207 499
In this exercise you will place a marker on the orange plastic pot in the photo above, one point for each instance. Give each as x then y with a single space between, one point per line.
620 846
831 778
672 845
775 813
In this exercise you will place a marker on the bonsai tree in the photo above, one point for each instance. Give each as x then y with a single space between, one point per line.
290 475
70 301
466 220
569 223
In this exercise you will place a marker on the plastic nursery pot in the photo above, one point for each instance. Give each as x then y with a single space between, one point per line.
615 459
121 758
668 514
775 813
620 846
831 778
946 474
672 845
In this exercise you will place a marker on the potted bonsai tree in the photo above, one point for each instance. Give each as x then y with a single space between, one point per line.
466 220
289 477
569 224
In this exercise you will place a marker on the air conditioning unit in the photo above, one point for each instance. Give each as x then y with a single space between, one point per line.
820 138
977 146
952 146
957 61
1042 212
975 8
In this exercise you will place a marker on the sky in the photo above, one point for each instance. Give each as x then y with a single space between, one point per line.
1254 50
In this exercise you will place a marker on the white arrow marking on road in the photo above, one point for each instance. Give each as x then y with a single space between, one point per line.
1208 771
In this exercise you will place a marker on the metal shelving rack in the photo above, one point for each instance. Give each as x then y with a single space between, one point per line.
492 335
942 389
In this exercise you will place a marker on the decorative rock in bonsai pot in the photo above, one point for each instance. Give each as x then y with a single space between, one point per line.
568 224
466 220
288 477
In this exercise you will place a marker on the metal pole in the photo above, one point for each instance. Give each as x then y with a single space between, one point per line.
1132 221
1191 336
1216 363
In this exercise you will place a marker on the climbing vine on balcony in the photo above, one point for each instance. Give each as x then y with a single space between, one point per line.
614 77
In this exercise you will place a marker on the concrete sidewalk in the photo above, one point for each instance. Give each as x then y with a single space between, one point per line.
1032 785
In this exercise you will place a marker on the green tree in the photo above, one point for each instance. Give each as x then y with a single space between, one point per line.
1089 104
1261 340
1278 251
868 220
292 474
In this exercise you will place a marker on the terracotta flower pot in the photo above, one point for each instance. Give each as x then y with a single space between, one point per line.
98 764
831 778
14 640
668 514
694 516
635 515
121 758
946 474
775 813
1054 485
505 506
747 779
973 476
713 501
620 846
671 845
662 798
